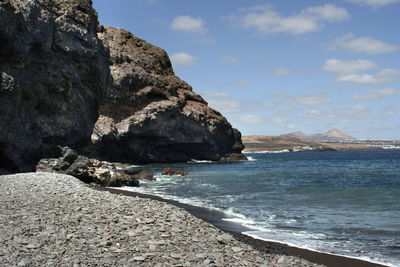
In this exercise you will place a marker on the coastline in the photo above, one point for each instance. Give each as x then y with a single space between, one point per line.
49 219
235 229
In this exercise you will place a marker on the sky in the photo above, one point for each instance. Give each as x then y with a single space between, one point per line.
274 67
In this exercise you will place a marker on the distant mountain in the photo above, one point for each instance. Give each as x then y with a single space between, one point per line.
299 135
333 135
287 143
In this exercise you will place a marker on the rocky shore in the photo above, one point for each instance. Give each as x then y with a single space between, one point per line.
51 219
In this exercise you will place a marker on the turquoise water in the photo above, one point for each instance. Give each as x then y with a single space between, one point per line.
346 203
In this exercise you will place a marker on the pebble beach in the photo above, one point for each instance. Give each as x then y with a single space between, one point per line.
56 220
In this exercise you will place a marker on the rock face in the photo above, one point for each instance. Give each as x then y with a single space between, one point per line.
59 70
150 115
53 71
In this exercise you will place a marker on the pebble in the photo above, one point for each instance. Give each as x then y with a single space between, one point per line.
139 258
56 220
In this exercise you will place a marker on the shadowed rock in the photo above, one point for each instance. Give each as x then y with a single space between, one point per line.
53 71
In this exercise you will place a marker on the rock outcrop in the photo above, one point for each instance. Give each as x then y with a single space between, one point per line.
170 171
53 71
59 70
89 170
150 115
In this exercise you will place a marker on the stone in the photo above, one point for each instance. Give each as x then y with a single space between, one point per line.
139 258
170 171
236 249
87 169
145 175
224 238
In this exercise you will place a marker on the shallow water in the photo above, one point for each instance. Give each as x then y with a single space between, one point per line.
346 203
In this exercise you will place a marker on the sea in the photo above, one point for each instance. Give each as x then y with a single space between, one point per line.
339 202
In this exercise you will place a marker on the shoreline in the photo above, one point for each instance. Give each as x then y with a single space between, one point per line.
215 217
49 219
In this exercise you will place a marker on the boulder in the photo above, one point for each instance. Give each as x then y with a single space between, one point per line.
170 171
88 170
149 115
53 71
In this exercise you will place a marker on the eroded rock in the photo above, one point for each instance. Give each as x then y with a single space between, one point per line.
88 170
150 115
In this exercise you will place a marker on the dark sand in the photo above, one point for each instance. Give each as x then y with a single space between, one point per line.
215 218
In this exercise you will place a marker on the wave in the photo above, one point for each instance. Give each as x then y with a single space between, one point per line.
266 151
200 161
305 242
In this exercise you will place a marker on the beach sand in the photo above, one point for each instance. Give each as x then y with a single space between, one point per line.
56 220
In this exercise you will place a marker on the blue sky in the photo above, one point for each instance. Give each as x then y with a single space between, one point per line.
273 67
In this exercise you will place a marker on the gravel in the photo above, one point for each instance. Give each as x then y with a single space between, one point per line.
49 219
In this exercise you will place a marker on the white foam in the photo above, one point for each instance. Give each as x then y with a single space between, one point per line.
266 151
251 158
255 235
200 161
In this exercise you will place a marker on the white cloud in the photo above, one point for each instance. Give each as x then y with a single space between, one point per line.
188 24
278 71
278 121
390 112
251 118
266 20
240 84
328 12
374 3
311 100
268 106
222 102
365 45
230 59
377 94
341 66
183 59
357 78
282 72
349 71
358 112
291 126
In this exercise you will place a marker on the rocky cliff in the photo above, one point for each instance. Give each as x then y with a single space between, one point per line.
59 70
52 75
150 115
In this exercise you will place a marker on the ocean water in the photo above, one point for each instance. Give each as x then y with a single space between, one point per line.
346 203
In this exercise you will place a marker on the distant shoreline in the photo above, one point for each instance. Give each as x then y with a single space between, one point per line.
215 218
281 144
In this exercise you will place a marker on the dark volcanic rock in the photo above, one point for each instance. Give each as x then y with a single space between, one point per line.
150 115
53 71
59 70
89 170
170 171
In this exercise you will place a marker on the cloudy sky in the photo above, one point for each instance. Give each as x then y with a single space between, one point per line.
273 67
